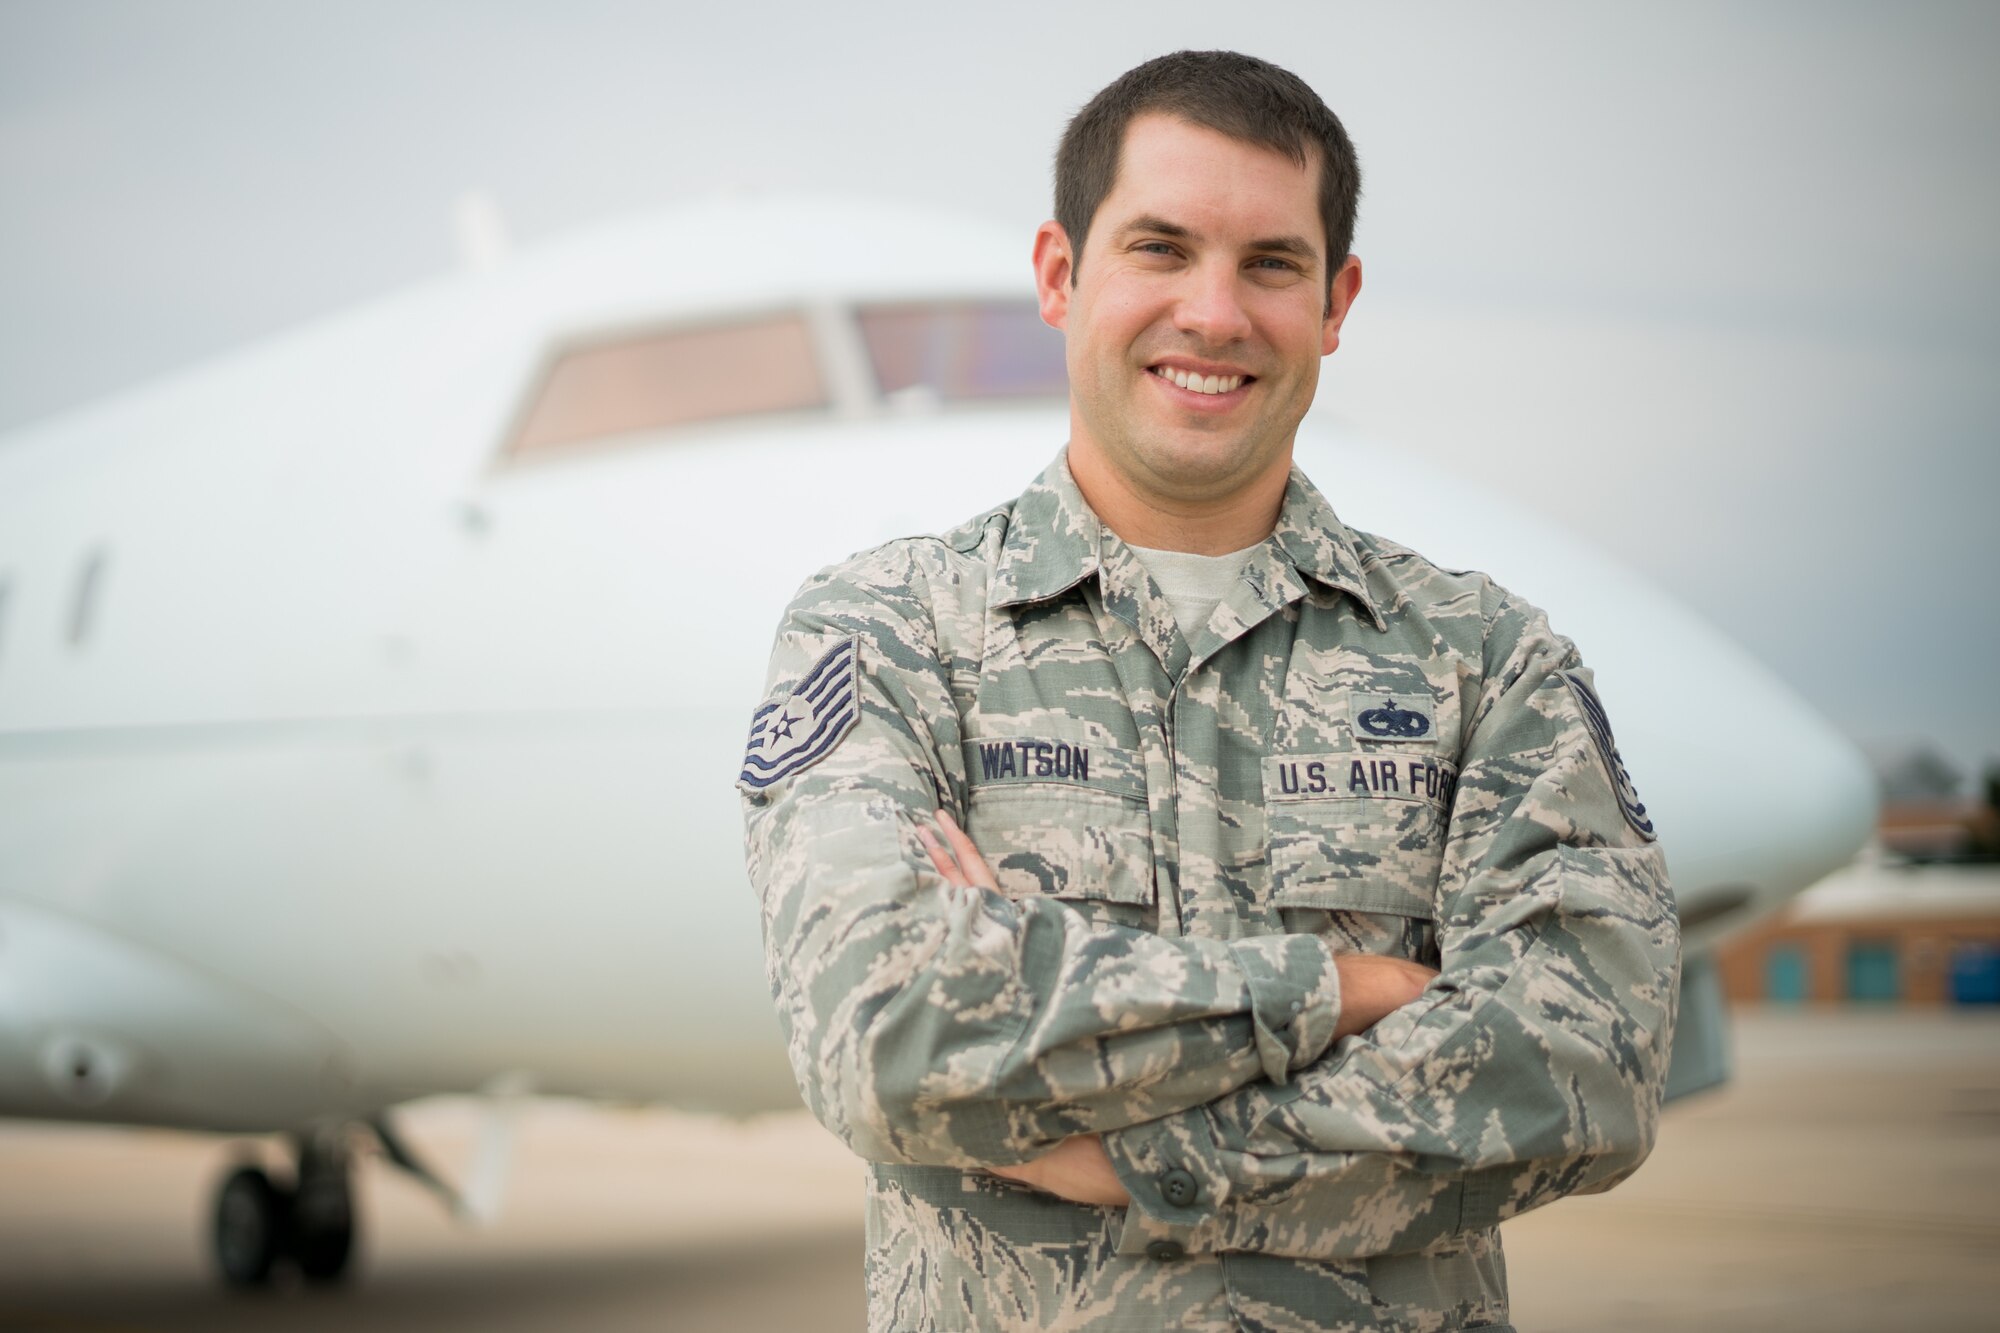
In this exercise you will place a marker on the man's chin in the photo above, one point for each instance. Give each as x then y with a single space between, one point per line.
1206 465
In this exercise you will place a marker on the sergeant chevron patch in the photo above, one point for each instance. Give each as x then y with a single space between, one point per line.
792 734
1599 725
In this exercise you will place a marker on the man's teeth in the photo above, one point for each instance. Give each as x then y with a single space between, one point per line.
1199 383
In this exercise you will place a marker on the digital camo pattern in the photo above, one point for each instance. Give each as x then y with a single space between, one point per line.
1186 831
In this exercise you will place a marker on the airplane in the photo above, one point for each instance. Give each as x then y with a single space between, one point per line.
370 698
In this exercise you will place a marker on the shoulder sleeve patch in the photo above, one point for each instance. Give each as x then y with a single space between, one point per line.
1599 725
791 734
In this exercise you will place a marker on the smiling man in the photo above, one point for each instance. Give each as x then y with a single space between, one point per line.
1194 348
1202 914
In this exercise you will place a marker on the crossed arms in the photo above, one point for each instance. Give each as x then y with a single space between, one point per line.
931 1019
1078 1169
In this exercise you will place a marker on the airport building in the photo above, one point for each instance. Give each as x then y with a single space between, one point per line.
1881 931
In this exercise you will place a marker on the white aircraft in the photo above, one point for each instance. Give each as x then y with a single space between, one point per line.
369 700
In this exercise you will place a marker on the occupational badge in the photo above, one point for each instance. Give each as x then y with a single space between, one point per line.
1392 717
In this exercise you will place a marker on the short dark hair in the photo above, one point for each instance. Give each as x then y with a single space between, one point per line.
1233 94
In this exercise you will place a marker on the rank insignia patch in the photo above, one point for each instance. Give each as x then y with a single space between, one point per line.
792 734
1599 725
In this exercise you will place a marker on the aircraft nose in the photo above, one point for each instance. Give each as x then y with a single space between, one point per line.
1754 794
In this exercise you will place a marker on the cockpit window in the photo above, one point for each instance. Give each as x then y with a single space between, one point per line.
655 380
956 350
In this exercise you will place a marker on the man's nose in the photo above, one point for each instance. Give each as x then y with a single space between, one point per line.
1211 305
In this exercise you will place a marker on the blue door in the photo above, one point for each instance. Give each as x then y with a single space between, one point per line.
1975 974
1871 971
1785 974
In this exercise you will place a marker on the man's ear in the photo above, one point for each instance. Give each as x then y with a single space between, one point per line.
1339 298
1053 267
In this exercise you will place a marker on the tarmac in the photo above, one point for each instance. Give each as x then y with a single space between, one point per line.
1848 1177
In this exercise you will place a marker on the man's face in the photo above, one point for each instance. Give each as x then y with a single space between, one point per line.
1199 312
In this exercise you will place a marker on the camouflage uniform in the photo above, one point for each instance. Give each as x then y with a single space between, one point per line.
1361 752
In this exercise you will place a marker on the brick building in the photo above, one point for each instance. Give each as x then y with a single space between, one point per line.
1876 932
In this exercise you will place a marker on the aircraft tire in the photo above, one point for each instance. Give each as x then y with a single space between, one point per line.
322 1231
251 1216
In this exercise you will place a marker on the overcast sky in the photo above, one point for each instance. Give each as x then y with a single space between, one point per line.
1712 284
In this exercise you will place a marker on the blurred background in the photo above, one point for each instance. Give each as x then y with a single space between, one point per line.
1712 284
1708 286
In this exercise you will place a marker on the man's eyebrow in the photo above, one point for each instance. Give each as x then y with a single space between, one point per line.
1296 246
1158 226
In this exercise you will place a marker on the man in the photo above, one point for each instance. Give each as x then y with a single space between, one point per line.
1203 915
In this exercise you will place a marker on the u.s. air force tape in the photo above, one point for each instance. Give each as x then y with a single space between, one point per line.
1599 726
792 734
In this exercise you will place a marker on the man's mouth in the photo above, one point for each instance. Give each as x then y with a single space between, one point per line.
1197 383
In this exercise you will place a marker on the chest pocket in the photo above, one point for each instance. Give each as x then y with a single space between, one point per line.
1357 832
1059 820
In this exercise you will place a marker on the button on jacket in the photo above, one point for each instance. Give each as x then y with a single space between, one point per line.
1360 753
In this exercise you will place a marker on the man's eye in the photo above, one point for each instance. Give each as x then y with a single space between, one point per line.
1279 265
1154 248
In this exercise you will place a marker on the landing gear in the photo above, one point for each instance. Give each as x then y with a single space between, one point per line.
249 1227
259 1223
307 1222
323 1209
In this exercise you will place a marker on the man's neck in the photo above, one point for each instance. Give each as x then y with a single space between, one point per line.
1206 526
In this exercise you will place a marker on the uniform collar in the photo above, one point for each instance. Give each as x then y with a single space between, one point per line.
1313 540
1055 540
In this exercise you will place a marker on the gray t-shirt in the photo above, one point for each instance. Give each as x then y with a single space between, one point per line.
1194 585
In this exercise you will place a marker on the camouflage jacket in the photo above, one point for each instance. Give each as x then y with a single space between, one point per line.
1360 752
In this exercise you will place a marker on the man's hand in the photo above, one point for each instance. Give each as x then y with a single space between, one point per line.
956 858
1373 987
1077 1169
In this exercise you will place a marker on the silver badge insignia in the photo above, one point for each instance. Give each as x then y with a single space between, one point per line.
1391 717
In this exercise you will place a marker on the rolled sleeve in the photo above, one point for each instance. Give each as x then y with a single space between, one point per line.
1294 999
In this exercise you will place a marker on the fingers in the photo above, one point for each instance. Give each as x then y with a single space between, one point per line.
968 855
941 859
954 856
